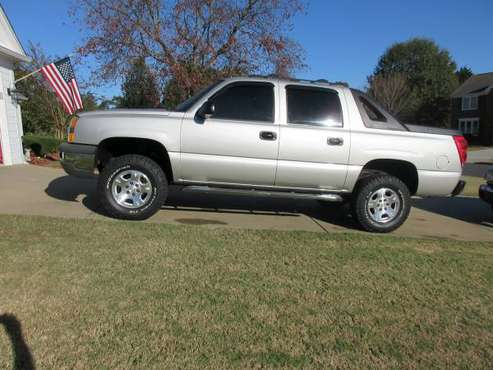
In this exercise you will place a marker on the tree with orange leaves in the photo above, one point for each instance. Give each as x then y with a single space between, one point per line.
190 42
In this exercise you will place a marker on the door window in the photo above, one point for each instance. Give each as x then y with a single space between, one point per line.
245 102
313 106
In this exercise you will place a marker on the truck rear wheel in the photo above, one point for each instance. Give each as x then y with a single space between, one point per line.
132 187
381 203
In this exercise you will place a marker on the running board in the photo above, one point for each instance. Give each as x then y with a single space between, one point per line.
328 197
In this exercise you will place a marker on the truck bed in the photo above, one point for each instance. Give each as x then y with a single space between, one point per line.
432 130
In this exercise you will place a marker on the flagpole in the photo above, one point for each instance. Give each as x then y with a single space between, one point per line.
28 75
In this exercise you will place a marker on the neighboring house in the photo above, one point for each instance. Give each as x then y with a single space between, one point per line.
472 108
10 112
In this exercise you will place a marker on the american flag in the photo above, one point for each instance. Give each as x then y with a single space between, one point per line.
61 77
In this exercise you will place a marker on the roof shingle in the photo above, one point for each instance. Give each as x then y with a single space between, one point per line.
478 84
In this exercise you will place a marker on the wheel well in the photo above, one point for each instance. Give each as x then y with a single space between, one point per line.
118 146
404 171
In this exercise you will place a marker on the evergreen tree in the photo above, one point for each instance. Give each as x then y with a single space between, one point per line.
463 74
140 87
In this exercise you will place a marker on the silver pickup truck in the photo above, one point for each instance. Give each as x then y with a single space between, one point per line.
267 136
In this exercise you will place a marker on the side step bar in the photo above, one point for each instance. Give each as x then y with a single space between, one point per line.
328 197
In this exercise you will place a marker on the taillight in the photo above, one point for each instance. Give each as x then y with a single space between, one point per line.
71 129
461 144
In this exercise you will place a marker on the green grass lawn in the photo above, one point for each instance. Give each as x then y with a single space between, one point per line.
103 294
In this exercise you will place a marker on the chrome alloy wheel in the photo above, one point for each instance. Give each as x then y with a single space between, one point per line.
131 189
383 205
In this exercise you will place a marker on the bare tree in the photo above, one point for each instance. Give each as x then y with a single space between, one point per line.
190 41
392 91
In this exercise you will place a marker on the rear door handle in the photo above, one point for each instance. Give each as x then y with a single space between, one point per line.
335 141
268 135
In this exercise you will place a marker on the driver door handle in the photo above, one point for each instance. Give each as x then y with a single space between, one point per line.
335 141
268 135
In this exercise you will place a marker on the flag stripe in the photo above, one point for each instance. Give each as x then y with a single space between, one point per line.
65 104
58 87
52 83
75 93
64 84
76 102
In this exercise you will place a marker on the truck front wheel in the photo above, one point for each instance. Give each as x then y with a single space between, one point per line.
381 203
132 187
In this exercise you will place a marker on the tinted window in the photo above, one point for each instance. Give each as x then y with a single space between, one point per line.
373 113
245 102
187 104
313 106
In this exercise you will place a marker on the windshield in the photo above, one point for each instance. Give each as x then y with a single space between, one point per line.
187 104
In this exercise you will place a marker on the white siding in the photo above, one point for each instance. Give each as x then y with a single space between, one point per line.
8 38
13 123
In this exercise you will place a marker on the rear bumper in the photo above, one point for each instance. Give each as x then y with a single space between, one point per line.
486 193
458 189
438 183
78 159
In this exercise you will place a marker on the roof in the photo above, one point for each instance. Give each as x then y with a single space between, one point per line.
480 84
274 78
9 42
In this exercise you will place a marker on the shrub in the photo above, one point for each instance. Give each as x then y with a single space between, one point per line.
41 145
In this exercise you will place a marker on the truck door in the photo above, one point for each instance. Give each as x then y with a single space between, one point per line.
238 141
314 142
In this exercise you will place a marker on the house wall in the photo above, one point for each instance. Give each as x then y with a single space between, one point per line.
10 122
486 109
484 113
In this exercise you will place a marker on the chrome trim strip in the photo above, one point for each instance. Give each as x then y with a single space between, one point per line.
251 187
275 194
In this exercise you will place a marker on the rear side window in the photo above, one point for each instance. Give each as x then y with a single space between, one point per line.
245 102
313 106
373 113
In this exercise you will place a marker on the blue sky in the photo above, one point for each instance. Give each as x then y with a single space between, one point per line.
342 39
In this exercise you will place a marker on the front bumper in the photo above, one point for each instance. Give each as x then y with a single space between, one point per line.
78 159
486 193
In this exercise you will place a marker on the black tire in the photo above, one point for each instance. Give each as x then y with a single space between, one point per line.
366 189
157 181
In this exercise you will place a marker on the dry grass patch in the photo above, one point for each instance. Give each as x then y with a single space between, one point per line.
95 294
472 185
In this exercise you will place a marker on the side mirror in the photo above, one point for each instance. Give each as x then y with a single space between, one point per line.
206 111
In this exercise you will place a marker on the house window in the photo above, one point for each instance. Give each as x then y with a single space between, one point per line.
470 102
469 126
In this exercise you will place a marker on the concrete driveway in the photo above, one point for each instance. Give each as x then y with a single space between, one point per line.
480 156
478 162
32 190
